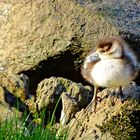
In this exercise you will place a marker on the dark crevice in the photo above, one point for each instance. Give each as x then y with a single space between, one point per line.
59 66
66 65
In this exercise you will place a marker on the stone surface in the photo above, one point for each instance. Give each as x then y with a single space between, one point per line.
74 97
124 14
5 113
69 108
32 31
18 85
13 95
113 119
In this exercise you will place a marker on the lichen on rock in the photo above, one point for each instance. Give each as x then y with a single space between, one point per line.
126 123
75 96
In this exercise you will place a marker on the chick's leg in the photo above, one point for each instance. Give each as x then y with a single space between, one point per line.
120 94
92 105
117 96
95 99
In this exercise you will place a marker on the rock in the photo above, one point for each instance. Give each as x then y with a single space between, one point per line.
18 85
115 11
2 96
33 31
14 93
75 96
69 108
12 114
113 119
6 113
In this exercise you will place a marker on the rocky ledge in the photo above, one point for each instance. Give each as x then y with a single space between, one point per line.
115 118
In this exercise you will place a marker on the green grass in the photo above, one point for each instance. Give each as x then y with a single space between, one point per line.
15 129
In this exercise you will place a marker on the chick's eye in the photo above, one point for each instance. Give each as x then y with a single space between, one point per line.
102 51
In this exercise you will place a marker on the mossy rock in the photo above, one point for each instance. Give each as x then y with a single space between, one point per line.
114 119
125 125
48 95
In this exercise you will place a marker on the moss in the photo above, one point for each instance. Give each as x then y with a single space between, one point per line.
125 125
70 86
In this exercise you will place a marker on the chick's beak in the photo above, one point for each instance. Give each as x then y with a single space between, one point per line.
94 57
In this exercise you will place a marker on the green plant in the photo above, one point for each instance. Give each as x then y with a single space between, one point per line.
18 129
